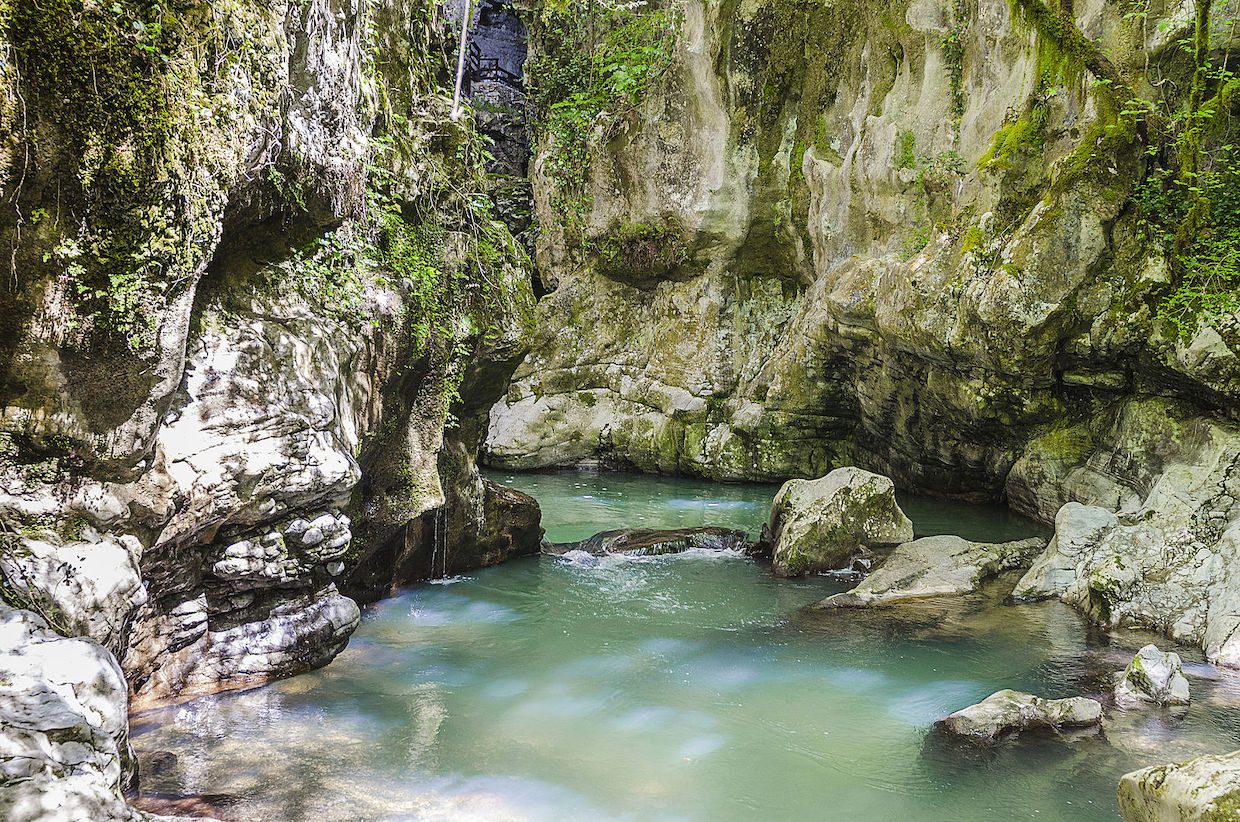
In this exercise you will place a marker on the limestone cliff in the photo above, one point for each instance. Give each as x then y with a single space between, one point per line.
252 275
906 235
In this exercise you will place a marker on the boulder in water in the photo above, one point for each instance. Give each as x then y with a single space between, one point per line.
655 542
819 525
936 566
1008 712
1200 790
1152 677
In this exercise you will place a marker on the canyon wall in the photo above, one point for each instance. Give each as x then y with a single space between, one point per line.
252 276
906 236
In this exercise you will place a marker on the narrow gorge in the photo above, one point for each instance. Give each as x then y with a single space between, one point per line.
848 393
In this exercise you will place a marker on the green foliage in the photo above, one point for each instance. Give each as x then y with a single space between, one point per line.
593 62
906 154
642 250
94 84
953 45
1206 264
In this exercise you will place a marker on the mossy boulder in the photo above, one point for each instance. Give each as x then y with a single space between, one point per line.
1205 789
819 525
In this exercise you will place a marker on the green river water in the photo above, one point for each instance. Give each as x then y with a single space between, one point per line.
687 687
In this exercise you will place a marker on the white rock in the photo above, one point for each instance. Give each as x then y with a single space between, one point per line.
1007 711
1205 789
1152 676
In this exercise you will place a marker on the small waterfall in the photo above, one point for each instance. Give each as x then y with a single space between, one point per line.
457 109
439 543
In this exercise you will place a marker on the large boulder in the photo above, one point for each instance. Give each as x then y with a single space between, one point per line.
818 525
92 586
936 566
1007 712
655 541
64 750
1205 789
1152 676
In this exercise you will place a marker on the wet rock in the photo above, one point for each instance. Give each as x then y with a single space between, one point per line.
654 542
819 525
1152 676
1205 789
936 566
1006 712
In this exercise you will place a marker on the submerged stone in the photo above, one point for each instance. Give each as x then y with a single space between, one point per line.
1007 712
655 542
820 525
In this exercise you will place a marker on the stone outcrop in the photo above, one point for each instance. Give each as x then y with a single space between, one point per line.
243 308
819 525
930 266
1161 554
656 542
936 566
1007 712
64 749
1204 789
1153 676
891 266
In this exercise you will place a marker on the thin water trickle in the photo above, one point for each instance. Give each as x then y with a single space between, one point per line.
684 687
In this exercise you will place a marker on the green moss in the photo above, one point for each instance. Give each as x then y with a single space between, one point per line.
95 88
1017 141
640 250
972 239
906 155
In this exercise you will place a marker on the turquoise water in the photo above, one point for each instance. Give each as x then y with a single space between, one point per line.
686 687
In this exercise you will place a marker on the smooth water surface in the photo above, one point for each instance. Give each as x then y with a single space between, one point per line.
684 687
579 504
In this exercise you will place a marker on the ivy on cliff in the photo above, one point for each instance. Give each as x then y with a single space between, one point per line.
595 63
1188 202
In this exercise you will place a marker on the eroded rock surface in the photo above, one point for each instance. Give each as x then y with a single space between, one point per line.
819 525
1205 789
936 566
1162 553
64 726
1007 712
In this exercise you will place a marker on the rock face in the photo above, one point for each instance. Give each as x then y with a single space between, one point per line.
936 566
1006 712
1204 789
656 542
1152 676
877 268
819 525
929 266
243 310
64 750
1162 557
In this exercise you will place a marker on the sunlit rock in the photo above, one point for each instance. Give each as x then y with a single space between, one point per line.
1006 712
819 525
936 566
1152 676
1205 789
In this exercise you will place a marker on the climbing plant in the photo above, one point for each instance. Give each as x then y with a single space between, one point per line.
1187 201
596 62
